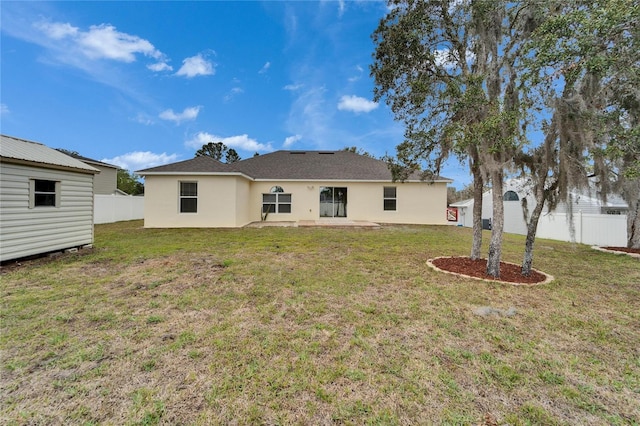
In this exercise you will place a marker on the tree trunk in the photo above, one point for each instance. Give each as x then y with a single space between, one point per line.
532 227
497 225
633 225
631 194
478 187
476 244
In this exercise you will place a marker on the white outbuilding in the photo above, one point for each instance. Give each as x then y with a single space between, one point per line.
46 200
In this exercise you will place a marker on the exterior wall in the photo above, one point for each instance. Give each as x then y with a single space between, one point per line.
28 231
243 209
116 208
217 205
417 202
106 181
233 201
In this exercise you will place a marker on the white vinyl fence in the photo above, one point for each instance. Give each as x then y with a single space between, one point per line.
592 229
116 208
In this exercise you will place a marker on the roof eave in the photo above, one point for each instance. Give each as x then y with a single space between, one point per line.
143 173
351 180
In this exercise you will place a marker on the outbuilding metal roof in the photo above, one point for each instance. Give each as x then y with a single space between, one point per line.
34 153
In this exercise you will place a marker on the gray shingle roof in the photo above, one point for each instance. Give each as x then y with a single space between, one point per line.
24 151
91 161
194 165
293 165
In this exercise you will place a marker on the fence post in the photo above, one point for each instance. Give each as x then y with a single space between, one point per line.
580 227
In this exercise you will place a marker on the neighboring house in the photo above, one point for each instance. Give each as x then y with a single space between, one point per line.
288 186
46 199
583 204
105 183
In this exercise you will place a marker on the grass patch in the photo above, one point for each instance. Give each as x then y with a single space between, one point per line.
314 326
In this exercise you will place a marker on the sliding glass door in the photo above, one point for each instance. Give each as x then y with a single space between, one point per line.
333 201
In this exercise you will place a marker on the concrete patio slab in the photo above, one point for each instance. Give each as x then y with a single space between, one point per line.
331 223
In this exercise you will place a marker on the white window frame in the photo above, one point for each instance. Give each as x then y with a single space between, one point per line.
278 203
33 193
385 198
187 197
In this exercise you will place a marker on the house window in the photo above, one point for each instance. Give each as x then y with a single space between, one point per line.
333 201
188 197
276 201
510 196
389 198
44 193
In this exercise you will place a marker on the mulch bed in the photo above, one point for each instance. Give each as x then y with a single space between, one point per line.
624 249
509 272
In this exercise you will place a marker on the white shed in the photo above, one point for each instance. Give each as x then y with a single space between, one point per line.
46 199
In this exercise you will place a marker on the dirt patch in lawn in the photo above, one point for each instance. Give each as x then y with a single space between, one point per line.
509 272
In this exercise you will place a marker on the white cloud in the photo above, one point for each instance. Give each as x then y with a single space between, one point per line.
139 160
265 68
188 114
243 142
341 7
143 119
232 93
291 140
356 104
102 41
293 87
196 65
357 77
4 109
310 116
57 30
160 66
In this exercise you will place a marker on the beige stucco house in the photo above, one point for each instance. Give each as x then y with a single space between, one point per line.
289 186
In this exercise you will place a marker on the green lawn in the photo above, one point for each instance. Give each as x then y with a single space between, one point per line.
315 326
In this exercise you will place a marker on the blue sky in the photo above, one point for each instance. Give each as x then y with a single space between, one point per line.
139 84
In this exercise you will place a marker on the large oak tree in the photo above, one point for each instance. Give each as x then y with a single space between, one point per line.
447 69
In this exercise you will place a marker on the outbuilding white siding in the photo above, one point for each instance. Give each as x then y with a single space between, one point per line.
25 230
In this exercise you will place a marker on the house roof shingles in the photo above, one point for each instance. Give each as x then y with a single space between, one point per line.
90 160
194 165
292 165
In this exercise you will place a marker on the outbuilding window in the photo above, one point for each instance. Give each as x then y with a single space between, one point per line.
44 193
188 197
389 198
